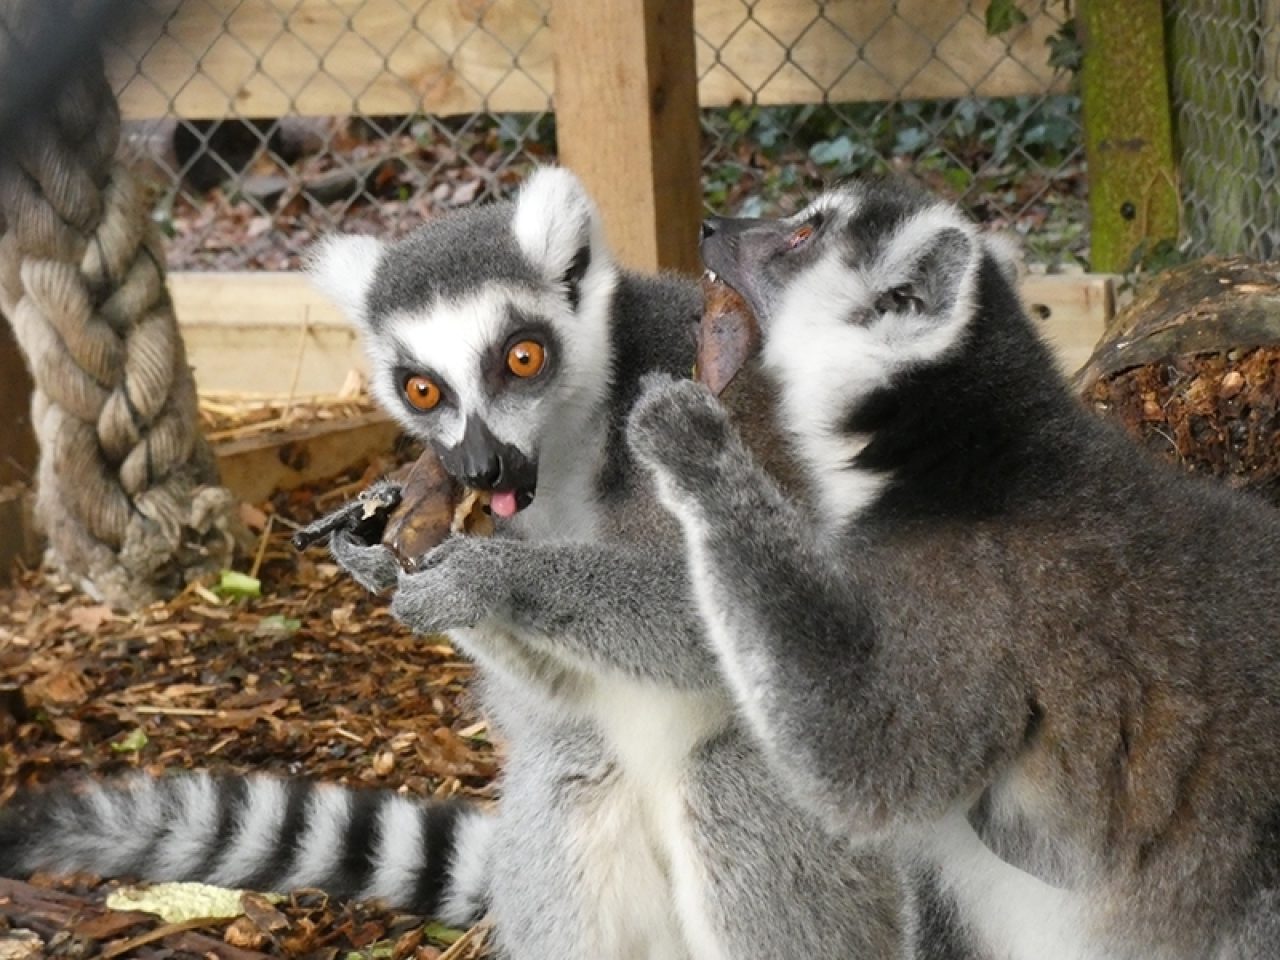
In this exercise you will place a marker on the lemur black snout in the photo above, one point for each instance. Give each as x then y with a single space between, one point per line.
482 473
482 461
710 226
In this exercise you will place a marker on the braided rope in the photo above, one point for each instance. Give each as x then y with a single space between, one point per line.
127 487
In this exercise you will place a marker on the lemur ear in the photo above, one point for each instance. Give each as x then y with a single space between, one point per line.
936 274
1005 249
558 227
342 268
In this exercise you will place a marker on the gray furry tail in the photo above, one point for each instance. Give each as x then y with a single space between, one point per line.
258 833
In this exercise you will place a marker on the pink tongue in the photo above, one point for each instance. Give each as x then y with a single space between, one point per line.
503 503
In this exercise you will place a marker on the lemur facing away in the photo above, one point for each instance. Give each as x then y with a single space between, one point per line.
1000 612
637 819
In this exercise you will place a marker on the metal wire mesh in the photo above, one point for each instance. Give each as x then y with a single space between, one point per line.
278 120
267 122
907 86
1225 63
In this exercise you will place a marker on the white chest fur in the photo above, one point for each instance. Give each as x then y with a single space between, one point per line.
654 730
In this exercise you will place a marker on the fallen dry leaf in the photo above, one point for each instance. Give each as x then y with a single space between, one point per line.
90 619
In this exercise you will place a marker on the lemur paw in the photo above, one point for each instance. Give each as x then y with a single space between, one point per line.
679 431
458 584
374 566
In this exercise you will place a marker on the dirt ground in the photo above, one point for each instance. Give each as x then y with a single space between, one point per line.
310 677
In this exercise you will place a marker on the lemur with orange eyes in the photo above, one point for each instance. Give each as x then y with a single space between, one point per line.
637 821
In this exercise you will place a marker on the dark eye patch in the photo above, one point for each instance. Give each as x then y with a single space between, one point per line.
495 373
407 367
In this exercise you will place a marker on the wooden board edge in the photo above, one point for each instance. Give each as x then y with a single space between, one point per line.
256 467
276 322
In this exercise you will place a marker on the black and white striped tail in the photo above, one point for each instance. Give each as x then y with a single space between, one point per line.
258 833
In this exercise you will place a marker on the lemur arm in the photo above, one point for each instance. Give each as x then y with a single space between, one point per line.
589 607
803 645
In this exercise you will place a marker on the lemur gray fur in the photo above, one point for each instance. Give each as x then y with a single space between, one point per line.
1000 615
637 820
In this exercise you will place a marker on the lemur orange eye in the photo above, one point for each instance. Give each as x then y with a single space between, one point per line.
421 392
801 235
526 358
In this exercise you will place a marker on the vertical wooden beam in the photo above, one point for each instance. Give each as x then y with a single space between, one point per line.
1133 196
627 122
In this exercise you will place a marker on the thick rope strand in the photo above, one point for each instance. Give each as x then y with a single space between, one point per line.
127 488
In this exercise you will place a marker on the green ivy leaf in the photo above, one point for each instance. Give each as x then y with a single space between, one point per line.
1065 52
1003 16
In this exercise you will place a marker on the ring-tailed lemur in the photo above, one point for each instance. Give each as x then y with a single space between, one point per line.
637 820
1002 613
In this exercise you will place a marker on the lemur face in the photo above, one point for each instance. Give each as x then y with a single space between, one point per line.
485 329
871 281
866 282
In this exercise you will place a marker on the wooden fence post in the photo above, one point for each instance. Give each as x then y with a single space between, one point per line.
1128 130
627 122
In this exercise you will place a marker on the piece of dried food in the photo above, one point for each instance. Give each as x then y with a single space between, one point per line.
728 335
432 506
471 516
415 509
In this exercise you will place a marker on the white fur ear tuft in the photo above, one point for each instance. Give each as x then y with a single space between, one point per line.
342 268
555 218
1005 248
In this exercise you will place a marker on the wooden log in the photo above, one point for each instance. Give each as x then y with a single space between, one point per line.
1192 370
268 58
627 123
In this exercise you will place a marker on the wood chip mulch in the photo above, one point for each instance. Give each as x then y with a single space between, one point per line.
312 677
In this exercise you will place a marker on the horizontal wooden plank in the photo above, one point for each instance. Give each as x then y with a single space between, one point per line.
255 467
263 333
1072 311
266 58
266 332
788 51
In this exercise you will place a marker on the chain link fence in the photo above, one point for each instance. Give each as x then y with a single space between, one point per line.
977 103
1225 79
264 123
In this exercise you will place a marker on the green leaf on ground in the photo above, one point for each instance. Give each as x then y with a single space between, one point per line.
133 741
232 584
